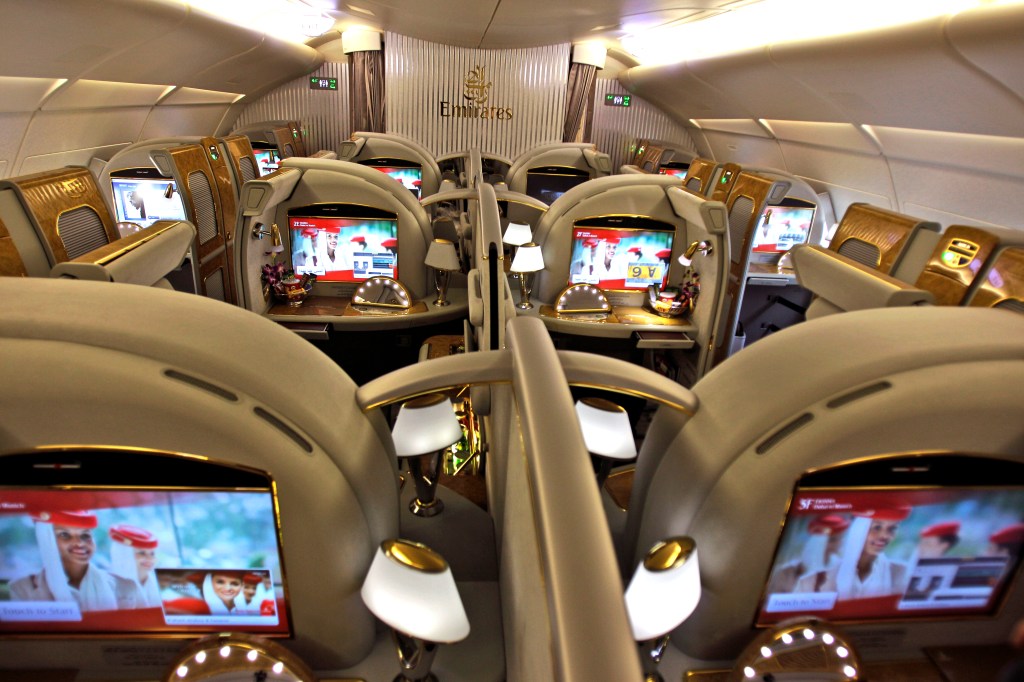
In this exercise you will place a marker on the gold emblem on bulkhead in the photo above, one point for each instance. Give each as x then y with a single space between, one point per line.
477 90
74 188
476 93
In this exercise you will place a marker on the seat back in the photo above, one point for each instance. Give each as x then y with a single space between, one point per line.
1002 281
892 243
205 183
365 147
57 224
240 159
725 476
960 262
63 210
159 370
573 162
307 181
748 195
700 176
11 264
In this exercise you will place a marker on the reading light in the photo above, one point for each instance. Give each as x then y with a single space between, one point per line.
425 427
704 248
410 587
663 593
442 257
607 433
528 259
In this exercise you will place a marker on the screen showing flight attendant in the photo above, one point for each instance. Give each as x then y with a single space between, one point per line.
141 561
782 227
343 242
878 554
621 253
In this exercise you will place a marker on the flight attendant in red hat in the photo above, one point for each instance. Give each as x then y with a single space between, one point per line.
938 539
864 570
821 551
132 557
66 545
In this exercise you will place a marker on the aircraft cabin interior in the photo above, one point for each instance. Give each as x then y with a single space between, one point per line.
511 341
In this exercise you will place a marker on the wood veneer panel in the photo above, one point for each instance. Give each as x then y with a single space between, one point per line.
50 194
888 230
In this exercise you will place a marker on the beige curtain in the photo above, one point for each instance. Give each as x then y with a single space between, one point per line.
579 96
366 91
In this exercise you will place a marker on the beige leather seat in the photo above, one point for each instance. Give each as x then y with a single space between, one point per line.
839 389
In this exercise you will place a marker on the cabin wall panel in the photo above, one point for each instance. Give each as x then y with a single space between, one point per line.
744 149
755 82
60 138
929 192
909 77
616 128
423 81
991 41
173 121
681 94
12 130
324 114
848 176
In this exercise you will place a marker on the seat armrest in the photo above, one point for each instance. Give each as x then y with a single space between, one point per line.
141 258
847 285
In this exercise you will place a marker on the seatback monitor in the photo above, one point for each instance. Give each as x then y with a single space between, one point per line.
896 552
268 159
144 196
621 253
548 183
81 557
343 242
406 172
782 227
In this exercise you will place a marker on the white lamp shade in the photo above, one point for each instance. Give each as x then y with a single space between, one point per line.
441 255
517 234
528 259
410 587
684 261
664 591
606 428
425 425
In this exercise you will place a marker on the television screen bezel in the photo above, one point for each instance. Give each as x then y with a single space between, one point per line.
89 470
338 211
147 174
623 223
926 472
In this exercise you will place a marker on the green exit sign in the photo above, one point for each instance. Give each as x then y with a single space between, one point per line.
617 100
317 83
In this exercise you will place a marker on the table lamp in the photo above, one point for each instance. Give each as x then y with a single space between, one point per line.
607 433
663 593
425 427
528 259
442 257
517 234
410 587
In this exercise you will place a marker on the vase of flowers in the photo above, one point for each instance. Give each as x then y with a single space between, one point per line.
286 285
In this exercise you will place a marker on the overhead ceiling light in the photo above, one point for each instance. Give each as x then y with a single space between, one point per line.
774 22
289 20
361 10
